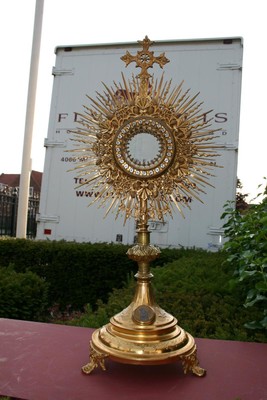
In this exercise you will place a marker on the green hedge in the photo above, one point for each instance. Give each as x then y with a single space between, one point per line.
77 273
194 285
22 295
197 289
199 292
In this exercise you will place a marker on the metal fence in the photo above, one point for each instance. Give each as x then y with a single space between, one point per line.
9 210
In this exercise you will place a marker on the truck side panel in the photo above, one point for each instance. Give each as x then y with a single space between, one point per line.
212 67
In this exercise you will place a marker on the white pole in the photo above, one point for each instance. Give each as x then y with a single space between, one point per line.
26 156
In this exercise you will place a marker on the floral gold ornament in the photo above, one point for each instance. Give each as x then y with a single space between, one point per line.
170 120
146 144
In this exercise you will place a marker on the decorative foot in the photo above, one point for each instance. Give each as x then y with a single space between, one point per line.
190 363
96 359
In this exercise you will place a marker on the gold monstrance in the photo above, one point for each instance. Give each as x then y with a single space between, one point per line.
144 185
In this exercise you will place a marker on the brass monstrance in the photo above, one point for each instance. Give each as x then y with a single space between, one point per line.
144 184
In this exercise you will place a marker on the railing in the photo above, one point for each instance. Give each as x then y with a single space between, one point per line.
8 213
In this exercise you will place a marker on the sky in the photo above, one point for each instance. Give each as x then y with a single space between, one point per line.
68 22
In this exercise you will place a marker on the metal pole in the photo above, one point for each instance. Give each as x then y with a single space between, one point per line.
26 156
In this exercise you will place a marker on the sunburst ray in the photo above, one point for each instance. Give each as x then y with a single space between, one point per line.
181 164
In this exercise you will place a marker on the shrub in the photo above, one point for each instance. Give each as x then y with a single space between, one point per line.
22 295
196 290
247 253
77 273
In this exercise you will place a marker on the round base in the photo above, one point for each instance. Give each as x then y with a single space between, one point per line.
145 335
142 353
157 339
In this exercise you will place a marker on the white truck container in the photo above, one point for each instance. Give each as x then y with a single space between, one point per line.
212 67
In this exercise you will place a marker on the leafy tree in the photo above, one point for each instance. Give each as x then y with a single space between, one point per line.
240 199
247 249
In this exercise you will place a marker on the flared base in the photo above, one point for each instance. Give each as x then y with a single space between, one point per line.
144 335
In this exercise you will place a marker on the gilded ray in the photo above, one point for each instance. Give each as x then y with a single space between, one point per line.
176 124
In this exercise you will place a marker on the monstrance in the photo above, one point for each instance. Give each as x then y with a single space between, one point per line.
146 144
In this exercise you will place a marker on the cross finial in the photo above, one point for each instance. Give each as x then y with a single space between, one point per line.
145 59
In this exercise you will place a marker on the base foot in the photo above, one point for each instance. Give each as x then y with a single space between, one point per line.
96 359
190 363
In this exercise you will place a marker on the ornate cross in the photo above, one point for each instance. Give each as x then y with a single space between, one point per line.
145 59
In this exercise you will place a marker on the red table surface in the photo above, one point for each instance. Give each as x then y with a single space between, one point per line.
41 361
